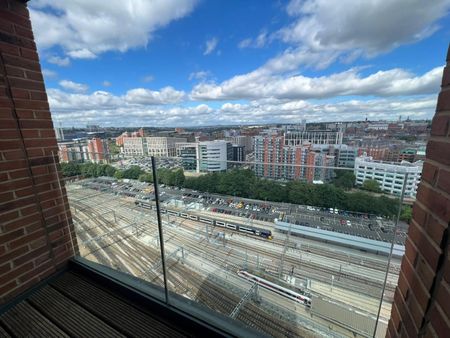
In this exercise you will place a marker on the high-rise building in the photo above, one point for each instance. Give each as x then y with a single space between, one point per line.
389 175
73 151
317 167
345 156
242 140
189 155
238 153
274 159
213 155
97 150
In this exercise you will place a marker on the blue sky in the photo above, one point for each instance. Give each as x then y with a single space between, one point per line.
197 62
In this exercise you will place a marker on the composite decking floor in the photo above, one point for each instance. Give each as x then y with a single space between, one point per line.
73 305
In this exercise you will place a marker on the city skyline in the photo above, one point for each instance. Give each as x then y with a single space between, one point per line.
198 63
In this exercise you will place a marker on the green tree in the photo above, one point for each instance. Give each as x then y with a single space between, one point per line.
243 183
88 169
302 193
267 190
110 171
371 185
118 174
329 196
114 149
133 172
344 179
70 169
406 214
146 177
178 177
236 182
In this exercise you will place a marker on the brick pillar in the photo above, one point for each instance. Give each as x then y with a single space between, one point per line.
35 222
422 299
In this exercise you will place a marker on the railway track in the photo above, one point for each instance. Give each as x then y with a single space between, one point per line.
210 294
317 271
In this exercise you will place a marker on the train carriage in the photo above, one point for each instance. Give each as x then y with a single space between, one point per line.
295 296
250 230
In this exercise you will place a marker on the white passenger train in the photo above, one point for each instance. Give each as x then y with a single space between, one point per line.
295 296
251 230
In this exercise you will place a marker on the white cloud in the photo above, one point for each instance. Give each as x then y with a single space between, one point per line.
372 27
105 108
149 97
74 86
210 45
148 78
49 74
262 84
81 54
85 29
60 61
259 42
106 83
283 111
201 75
325 31
245 43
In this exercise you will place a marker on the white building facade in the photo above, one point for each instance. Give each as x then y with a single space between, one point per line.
213 155
389 175
151 146
162 146
133 146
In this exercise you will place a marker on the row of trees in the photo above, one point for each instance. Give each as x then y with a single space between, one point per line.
165 176
244 183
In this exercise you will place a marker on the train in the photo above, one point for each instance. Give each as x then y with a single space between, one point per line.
302 298
247 229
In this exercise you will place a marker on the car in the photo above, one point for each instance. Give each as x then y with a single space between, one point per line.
342 222
349 223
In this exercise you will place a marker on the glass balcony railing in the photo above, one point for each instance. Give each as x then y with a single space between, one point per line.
288 250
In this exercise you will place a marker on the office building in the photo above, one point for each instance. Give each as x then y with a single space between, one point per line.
389 175
242 140
151 146
345 156
162 146
213 155
238 153
134 146
189 155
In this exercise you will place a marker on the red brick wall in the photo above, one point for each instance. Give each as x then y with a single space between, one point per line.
34 218
422 298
